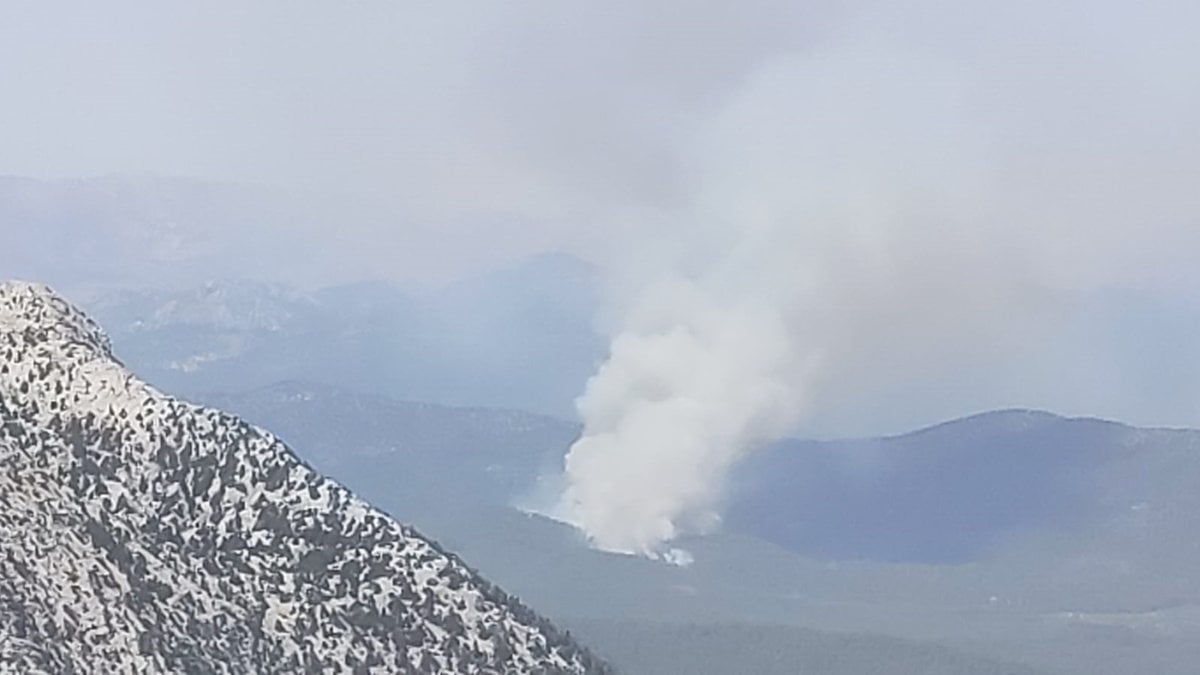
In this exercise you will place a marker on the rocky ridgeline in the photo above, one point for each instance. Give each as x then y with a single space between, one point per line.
139 533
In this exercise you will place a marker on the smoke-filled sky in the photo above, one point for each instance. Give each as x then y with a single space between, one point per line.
554 123
945 206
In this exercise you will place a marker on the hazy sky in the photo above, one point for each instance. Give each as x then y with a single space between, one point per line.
983 173
554 123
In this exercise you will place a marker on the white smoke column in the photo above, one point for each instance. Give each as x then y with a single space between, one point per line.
824 212
689 387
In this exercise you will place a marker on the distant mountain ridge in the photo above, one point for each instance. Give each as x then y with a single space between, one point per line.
521 337
145 534
408 449
946 493
950 492
122 230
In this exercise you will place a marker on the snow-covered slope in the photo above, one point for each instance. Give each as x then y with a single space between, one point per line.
139 533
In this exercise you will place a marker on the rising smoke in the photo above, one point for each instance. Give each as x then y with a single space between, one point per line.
836 216
689 387
893 212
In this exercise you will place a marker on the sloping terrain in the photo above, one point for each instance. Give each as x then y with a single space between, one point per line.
725 649
411 450
1067 544
140 533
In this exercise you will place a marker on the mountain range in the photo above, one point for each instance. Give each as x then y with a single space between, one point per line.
1015 540
996 535
519 337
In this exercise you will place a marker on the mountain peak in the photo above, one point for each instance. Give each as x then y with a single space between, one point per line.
145 534
31 306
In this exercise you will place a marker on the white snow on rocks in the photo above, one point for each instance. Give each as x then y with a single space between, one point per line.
139 534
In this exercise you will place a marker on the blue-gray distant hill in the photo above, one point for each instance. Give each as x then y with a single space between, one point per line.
942 494
518 338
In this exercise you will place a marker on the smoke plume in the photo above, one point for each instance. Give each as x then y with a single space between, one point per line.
690 386
829 201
